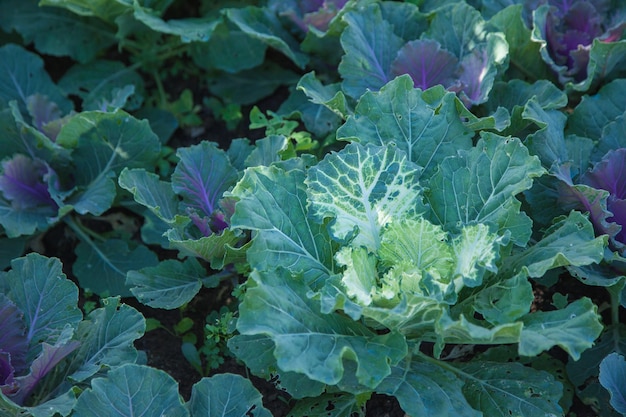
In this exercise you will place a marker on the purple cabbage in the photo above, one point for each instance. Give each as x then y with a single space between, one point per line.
610 174
201 177
569 28
307 14
16 381
46 115
23 182
428 64
13 345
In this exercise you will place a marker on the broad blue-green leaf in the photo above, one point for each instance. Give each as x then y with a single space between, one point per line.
517 93
273 203
10 249
524 55
510 389
267 150
330 96
613 378
573 328
459 28
229 50
425 125
258 354
238 152
97 81
57 32
101 267
606 62
594 112
544 362
103 144
162 122
613 137
107 336
370 46
131 390
363 188
548 143
49 300
189 29
22 74
250 86
602 275
262 24
170 284
148 190
319 120
425 389
217 249
581 152
226 395
504 301
613 339
570 241
24 222
103 9
467 331
407 19
312 343
480 185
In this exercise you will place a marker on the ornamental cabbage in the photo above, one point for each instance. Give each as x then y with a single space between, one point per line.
310 14
23 182
610 174
569 29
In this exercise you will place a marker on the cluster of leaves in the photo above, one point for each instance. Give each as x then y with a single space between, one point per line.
432 164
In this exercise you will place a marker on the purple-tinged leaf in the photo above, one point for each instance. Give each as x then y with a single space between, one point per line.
320 17
41 366
201 177
307 14
13 342
22 182
610 174
473 70
8 386
371 45
42 110
591 200
426 63
46 115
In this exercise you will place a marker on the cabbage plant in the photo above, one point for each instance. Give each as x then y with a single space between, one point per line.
580 39
367 266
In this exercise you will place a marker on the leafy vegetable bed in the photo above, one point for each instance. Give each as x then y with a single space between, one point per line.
327 208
